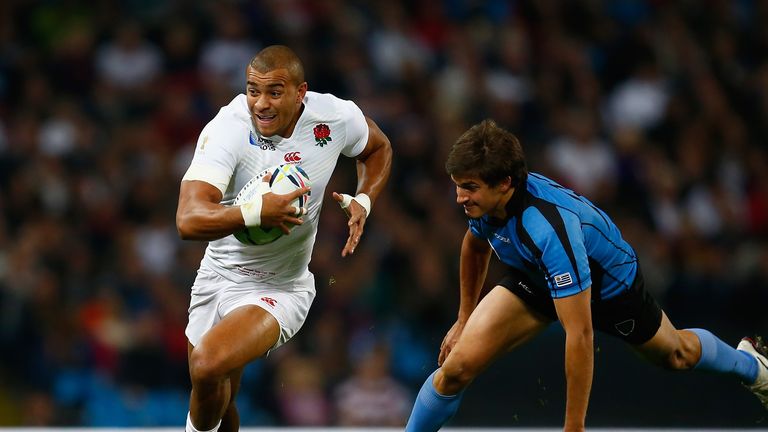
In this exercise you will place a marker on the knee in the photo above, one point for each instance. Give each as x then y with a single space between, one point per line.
205 365
684 357
454 376
677 360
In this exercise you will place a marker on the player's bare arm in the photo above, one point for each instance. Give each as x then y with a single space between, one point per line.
575 316
373 167
200 216
473 267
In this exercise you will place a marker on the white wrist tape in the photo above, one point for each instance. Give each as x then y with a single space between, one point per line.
361 198
251 210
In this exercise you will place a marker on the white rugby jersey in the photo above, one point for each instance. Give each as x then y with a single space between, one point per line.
230 151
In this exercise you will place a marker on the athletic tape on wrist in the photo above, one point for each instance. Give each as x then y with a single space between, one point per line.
365 201
361 198
251 210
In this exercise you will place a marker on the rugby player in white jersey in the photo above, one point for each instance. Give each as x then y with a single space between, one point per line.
248 300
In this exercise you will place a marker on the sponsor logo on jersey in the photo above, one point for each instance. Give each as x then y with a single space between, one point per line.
261 142
502 238
292 157
269 300
562 280
253 272
322 134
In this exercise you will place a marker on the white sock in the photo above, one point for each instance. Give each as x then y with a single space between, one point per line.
191 428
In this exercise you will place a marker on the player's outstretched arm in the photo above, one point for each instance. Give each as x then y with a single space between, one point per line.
373 167
576 317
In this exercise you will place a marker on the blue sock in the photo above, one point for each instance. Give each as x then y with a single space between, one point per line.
718 356
431 409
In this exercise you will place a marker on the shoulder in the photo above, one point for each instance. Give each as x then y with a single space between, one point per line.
478 226
232 119
330 108
549 213
233 115
227 134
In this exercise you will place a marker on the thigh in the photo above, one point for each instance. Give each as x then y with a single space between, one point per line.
288 308
215 301
500 323
250 320
245 334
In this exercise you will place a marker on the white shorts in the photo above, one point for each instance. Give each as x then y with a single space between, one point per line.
214 296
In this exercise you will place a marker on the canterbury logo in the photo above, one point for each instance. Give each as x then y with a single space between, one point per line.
268 300
292 157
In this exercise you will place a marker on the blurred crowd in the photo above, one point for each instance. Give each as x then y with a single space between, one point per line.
655 110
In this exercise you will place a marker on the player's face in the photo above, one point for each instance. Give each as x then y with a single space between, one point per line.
274 101
478 198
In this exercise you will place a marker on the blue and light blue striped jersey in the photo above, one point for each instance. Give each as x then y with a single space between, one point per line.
561 240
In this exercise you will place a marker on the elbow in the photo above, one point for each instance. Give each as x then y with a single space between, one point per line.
587 333
183 227
582 334
387 149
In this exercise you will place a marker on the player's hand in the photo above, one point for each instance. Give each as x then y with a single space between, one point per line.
278 210
449 341
357 216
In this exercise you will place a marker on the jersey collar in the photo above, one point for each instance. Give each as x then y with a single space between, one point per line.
514 206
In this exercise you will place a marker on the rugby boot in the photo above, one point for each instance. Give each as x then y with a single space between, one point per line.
757 349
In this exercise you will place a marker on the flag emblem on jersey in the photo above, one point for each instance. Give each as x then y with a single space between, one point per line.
322 134
562 280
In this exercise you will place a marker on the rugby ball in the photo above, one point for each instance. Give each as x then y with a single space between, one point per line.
285 179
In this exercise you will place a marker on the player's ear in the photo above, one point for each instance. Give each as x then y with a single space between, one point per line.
506 184
302 91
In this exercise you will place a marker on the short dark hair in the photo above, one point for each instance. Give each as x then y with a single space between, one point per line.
489 152
278 57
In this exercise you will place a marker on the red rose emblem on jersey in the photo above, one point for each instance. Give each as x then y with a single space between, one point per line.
322 134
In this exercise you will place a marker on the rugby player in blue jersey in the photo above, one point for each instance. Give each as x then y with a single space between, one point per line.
566 261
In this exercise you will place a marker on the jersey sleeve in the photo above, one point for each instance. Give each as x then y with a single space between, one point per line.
476 228
356 129
216 155
556 242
